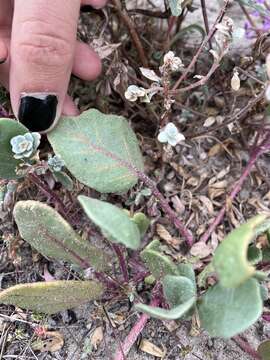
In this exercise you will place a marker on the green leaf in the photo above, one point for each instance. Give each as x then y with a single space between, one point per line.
9 129
163 314
93 145
63 179
264 292
226 312
207 271
264 350
114 222
254 255
176 7
178 289
159 264
51 297
44 229
187 271
142 222
230 259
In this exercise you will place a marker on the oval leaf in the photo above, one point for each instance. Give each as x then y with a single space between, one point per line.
44 229
227 312
230 259
159 264
51 297
163 314
178 289
114 222
187 271
9 129
93 145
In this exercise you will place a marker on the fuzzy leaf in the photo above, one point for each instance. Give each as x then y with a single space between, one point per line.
142 222
254 255
230 259
226 312
44 229
91 146
63 179
178 289
163 314
51 297
159 264
264 350
8 130
187 271
114 222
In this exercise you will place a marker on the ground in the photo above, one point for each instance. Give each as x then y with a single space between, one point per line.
195 177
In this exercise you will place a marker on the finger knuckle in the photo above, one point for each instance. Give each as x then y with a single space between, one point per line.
44 47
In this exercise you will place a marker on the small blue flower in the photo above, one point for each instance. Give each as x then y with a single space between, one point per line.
56 163
24 146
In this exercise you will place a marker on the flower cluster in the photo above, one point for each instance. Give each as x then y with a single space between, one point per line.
25 146
171 63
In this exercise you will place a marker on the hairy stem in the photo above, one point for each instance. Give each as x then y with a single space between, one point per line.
48 192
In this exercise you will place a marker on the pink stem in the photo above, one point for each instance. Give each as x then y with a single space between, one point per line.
122 261
135 332
238 186
244 345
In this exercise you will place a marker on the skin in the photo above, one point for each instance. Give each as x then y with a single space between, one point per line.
39 49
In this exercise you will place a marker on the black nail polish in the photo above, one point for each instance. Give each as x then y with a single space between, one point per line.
86 8
38 111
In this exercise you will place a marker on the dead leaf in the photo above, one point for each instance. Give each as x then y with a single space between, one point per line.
152 349
201 250
54 341
209 121
97 337
166 236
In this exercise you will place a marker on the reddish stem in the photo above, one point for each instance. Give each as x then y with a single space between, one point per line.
260 150
122 261
244 345
136 330
205 41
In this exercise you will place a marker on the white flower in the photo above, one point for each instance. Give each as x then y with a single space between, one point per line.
134 92
170 134
172 62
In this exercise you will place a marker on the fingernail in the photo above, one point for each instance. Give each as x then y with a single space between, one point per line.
37 111
86 8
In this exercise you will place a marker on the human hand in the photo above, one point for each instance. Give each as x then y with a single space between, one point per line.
38 52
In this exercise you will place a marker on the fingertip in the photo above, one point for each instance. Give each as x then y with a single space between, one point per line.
87 64
3 52
69 107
